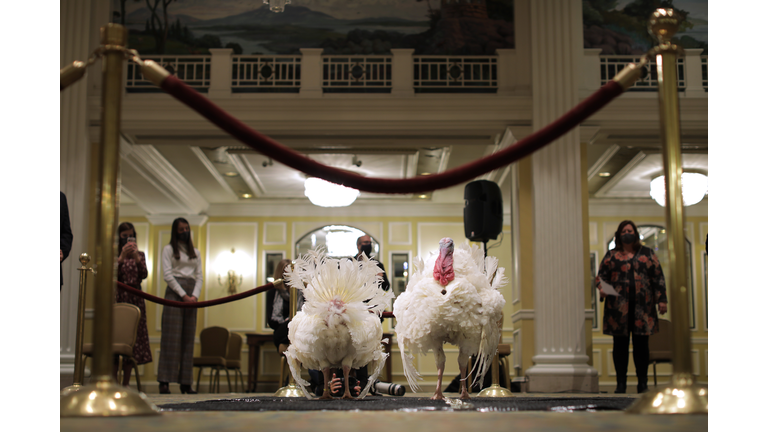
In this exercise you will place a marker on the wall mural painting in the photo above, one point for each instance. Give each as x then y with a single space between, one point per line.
620 26
465 27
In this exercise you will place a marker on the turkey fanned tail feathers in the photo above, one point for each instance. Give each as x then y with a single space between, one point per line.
339 324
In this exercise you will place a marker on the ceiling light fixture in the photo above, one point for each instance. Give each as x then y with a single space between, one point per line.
604 174
326 194
230 174
246 195
277 5
695 187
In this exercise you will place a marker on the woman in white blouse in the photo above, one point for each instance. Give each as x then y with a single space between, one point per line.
182 271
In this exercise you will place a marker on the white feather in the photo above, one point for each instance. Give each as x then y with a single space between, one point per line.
339 324
465 316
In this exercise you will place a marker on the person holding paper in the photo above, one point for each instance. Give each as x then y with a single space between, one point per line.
636 287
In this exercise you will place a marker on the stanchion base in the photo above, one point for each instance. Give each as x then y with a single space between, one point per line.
673 399
495 390
291 390
71 389
105 399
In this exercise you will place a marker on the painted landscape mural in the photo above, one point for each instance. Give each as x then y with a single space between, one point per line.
463 27
621 26
469 27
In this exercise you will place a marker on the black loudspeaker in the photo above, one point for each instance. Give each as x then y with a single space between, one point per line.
483 216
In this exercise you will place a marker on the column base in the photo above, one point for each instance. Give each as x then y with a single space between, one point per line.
549 379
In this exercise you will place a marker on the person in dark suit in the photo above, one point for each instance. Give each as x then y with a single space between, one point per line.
65 236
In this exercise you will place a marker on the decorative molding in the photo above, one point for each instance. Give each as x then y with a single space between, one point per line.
283 225
506 140
163 219
602 160
604 191
214 172
410 234
593 233
522 314
248 175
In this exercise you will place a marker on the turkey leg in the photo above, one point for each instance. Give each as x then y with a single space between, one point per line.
440 361
326 384
347 393
463 368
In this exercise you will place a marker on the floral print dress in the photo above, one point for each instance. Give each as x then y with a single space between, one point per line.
132 272
639 281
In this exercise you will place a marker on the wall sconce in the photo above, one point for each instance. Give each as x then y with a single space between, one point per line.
230 267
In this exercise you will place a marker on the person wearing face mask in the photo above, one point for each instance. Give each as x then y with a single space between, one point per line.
364 246
635 274
131 270
182 271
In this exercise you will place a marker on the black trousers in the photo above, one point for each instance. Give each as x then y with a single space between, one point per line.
639 355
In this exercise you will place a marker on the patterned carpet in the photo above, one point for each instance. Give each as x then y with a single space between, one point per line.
383 421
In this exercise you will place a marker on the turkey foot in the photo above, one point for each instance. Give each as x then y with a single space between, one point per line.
326 385
438 391
464 392
347 393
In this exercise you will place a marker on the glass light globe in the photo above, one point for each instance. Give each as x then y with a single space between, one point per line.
695 187
326 194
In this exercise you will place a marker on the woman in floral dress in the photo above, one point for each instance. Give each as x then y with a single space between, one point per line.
635 274
131 270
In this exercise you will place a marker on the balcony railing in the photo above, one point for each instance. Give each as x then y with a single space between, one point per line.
610 65
401 73
440 74
258 73
194 70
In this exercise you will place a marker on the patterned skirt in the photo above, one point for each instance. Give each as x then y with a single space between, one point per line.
141 350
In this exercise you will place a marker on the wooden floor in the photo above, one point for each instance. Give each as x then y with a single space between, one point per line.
378 421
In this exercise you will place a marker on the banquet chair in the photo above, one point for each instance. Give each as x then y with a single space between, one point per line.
660 346
214 342
125 319
233 358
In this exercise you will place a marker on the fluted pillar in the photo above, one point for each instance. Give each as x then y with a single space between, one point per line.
560 358
77 19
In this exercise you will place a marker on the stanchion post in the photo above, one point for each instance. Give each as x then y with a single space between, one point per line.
495 390
104 397
77 383
682 395
292 389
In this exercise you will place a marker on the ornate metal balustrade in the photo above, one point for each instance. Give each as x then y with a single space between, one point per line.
350 73
195 70
610 65
432 73
261 73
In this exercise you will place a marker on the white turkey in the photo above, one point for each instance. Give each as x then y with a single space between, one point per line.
453 298
339 325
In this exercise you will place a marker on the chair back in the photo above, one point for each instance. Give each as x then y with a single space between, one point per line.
125 317
660 344
235 346
214 342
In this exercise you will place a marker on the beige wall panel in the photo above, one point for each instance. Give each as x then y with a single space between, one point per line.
430 233
400 233
274 233
240 315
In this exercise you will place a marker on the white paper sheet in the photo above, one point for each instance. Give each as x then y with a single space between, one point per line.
608 288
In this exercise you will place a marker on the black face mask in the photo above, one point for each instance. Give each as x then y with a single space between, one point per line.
183 237
628 238
366 249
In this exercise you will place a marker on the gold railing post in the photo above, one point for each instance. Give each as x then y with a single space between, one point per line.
292 389
682 395
495 390
104 397
77 382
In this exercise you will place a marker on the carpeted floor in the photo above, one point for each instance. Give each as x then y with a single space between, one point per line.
408 404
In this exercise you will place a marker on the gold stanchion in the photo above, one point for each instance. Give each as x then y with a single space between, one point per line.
495 390
103 397
292 389
78 378
682 395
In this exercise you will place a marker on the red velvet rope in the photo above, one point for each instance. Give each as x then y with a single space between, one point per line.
201 304
271 148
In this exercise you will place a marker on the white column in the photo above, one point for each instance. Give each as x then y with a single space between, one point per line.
505 71
560 360
221 73
402 72
78 18
311 72
694 81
